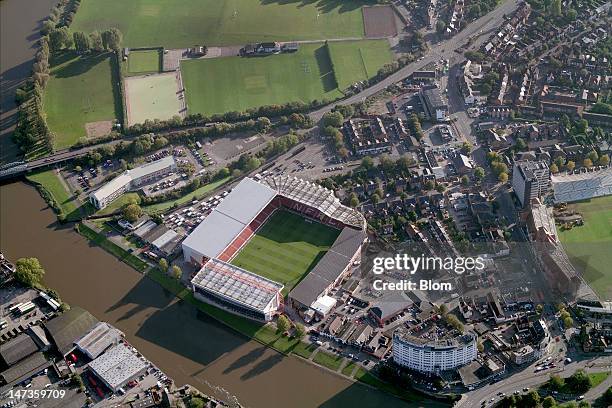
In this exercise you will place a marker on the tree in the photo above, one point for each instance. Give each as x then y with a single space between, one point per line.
163 264
549 402
343 152
111 39
367 162
475 56
604 160
334 119
579 382
466 148
353 200
60 38
503 177
465 181
521 144
560 161
81 41
385 163
196 402
593 156
539 309
283 323
375 198
531 400
555 382
95 42
440 188
29 271
570 165
300 331
480 347
554 169
479 173
607 397
555 8
587 163
440 26
132 212
568 322
429 185
452 320
176 272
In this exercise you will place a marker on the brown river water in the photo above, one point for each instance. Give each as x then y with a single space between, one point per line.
187 345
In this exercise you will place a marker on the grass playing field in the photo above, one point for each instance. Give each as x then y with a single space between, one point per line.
80 90
589 246
151 97
234 84
221 22
355 61
144 61
286 248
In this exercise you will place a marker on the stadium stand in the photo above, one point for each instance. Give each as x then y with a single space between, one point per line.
582 185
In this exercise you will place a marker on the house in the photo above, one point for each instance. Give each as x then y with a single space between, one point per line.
290 47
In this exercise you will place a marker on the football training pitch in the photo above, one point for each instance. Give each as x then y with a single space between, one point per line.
286 248
355 61
590 246
237 83
80 90
221 22
152 97
144 61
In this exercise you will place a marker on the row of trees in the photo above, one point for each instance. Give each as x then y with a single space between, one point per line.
283 324
109 40
175 271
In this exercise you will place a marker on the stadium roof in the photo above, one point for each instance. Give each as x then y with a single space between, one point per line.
118 365
17 349
69 327
315 196
99 339
582 186
236 284
329 268
231 216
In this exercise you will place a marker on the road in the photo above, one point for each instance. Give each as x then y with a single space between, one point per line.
529 379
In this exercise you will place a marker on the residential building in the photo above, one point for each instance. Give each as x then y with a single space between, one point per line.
530 179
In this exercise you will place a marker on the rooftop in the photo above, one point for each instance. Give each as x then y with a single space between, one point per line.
118 365
239 285
99 339
67 328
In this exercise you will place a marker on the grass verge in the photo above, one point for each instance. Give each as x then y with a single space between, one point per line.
53 191
112 248
328 360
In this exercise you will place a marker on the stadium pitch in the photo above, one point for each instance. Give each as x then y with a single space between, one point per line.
589 246
286 248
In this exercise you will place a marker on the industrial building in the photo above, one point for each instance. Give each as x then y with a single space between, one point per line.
100 338
118 366
435 106
130 180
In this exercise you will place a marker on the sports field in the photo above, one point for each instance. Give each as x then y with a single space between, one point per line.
151 97
286 248
175 24
144 61
355 61
80 90
235 83
590 246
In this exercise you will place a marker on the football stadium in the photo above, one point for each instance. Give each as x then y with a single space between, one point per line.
279 235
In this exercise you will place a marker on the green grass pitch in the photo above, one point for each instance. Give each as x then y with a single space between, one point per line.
152 97
174 24
144 61
80 90
590 246
356 61
220 85
286 248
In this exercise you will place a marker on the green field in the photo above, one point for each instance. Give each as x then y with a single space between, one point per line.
80 90
328 360
151 97
175 24
589 246
356 61
51 182
119 202
144 61
286 248
235 84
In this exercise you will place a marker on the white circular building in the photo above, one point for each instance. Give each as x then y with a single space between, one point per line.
433 355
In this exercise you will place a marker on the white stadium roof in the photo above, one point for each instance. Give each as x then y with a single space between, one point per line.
315 196
236 284
246 200
582 186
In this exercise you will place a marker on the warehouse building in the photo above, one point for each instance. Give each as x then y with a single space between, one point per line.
118 366
69 327
100 338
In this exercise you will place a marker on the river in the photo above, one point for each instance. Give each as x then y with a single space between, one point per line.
188 346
